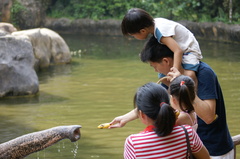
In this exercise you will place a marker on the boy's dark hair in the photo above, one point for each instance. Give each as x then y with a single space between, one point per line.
153 100
154 51
135 20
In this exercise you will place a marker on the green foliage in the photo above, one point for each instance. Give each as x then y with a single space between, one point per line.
193 10
16 10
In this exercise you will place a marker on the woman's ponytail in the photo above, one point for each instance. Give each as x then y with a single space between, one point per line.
165 120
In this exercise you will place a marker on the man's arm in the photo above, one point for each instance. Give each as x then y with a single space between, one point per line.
177 51
205 109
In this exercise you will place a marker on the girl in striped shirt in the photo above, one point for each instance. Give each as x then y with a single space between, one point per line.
162 138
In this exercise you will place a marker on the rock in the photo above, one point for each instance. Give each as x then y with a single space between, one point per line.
3 33
48 46
7 27
17 75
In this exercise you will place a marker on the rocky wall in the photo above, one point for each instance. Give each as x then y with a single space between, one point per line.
210 31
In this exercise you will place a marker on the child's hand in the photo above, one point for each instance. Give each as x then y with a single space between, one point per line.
174 73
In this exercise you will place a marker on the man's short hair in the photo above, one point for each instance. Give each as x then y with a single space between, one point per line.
154 51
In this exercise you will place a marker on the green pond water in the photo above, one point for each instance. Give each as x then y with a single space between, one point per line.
99 85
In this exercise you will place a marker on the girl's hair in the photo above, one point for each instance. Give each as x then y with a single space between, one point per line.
135 20
153 100
182 88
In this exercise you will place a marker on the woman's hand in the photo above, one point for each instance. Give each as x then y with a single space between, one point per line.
120 121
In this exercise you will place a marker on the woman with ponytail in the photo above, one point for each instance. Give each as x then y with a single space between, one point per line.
162 138
182 95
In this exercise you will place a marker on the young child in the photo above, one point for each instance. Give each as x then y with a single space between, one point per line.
161 138
139 24
182 95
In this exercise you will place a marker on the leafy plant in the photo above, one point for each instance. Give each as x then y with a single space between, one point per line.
193 10
16 10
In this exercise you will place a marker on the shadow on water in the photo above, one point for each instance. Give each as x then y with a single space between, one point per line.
41 97
10 129
54 70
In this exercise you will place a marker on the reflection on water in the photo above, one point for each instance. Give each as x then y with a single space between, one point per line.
98 86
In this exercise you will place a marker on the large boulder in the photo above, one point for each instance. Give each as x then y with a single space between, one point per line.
17 75
48 46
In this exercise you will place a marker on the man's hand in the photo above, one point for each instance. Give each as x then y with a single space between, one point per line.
173 73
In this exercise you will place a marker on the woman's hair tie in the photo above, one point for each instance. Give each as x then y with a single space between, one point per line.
162 103
182 83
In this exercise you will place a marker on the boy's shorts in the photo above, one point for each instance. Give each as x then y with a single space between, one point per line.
190 61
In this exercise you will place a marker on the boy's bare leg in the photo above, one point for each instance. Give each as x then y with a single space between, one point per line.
192 74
